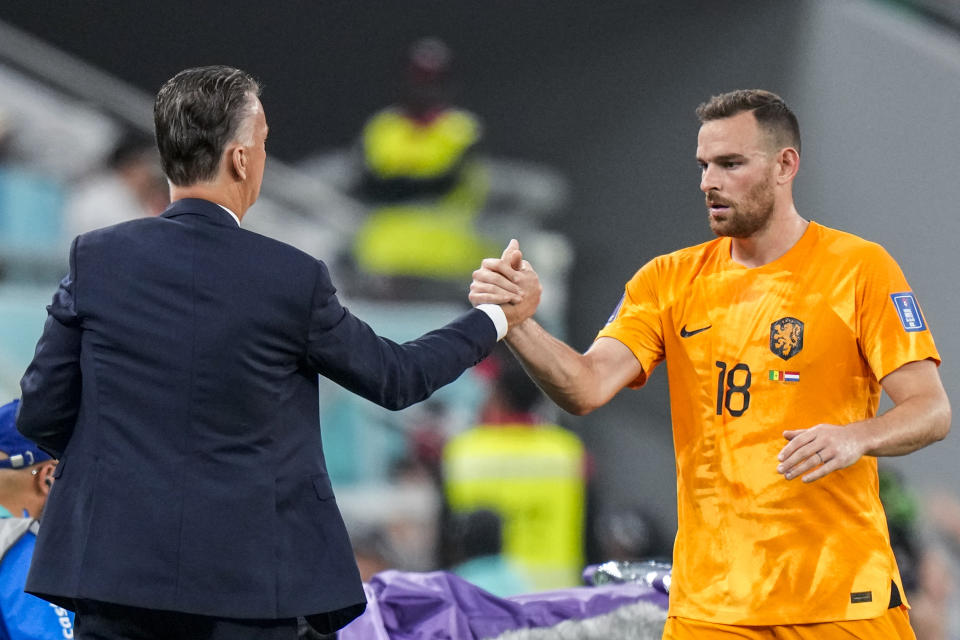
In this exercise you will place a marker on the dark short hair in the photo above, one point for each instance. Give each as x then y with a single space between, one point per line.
516 388
771 112
196 114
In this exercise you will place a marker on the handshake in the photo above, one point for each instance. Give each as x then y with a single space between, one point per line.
508 281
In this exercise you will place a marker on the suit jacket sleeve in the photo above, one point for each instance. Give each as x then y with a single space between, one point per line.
346 350
50 388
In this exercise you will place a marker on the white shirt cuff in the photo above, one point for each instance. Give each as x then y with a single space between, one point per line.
498 316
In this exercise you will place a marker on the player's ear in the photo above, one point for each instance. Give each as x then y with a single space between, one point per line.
788 163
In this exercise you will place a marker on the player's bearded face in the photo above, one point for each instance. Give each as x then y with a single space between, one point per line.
744 216
739 175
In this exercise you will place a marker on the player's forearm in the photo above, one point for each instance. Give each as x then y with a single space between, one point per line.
912 424
562 373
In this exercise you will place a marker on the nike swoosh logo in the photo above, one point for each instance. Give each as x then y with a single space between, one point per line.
686 334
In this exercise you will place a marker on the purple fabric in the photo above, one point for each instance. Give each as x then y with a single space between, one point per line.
439 605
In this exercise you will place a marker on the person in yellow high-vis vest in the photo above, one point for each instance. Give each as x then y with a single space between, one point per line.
529 472
420 174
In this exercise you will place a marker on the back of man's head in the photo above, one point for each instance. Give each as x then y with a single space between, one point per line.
196 114
772 113
514 386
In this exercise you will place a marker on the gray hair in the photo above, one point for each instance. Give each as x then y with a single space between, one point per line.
196 114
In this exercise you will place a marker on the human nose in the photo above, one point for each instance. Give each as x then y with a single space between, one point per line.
709 179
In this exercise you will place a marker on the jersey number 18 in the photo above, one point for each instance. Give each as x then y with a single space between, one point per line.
731 394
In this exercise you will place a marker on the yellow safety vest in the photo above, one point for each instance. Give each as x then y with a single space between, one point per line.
395 146
430 239
533 476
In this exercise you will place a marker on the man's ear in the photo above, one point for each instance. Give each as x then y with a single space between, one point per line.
788 163
238 160
44 477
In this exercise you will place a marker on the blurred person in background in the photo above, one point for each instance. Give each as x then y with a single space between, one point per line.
26 477
923 550
942 513
478 547
176 380
424 185
421 180
526 470
422 144
780 336
130 185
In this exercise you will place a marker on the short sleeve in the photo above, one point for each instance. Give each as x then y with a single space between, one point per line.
636 321
893 330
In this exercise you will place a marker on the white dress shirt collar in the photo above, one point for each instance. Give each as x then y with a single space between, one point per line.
232 214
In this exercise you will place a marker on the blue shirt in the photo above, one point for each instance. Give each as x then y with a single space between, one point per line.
23 616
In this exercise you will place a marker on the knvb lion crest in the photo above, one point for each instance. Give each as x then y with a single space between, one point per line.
786 337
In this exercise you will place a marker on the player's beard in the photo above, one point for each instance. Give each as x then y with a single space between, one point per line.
746 217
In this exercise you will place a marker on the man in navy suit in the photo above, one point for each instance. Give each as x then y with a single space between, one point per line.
176 381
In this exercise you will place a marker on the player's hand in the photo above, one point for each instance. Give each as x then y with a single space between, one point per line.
821 450
508 281
495 281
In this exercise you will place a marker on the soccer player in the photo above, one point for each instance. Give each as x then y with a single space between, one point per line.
780 334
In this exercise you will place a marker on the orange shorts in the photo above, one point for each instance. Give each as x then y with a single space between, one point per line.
893 625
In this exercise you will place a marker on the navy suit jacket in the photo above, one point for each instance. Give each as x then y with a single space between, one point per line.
176 380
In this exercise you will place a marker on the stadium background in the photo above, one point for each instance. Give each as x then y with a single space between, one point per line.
604 93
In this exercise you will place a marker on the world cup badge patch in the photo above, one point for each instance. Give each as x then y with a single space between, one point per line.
909 311
786 337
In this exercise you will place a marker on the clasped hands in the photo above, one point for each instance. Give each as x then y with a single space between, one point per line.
508 281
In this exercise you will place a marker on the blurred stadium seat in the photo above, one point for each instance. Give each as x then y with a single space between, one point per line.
22 314
31 205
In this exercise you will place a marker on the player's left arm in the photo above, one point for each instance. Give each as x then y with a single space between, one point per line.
920 416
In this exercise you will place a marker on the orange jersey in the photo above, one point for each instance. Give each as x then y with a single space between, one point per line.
750 353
